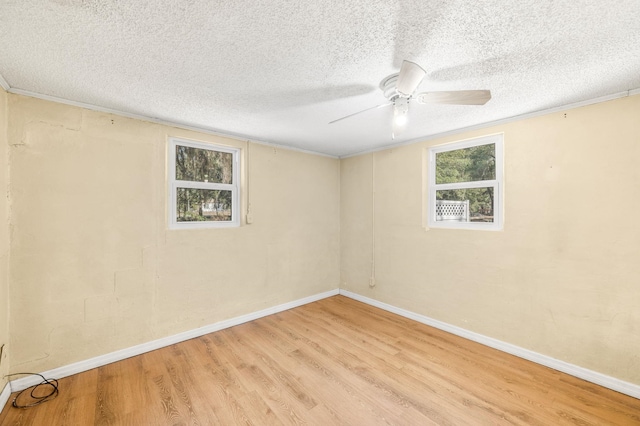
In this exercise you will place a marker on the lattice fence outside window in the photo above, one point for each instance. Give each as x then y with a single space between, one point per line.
449 210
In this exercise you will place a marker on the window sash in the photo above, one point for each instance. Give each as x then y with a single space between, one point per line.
175 184
466 185
497 214
205 185
496 184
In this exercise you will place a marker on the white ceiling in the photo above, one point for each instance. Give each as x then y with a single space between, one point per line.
278 71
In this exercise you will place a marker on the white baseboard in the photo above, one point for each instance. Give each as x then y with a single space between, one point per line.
571 369
4 396
79 367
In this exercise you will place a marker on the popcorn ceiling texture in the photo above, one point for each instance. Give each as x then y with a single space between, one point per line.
279 71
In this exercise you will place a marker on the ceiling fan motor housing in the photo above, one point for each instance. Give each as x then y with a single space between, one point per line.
388 86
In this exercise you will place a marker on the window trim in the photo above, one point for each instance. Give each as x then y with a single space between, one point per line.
497 184
174 184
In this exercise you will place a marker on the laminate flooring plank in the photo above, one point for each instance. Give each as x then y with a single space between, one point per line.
502 380
328 372
593 397
222 395
321 414
279 368
482 397
78 406
349 341
466 384
353 361
258 410
286 409
357 331
136 389
439 407
308 378
237 376
109 404
17 416
354 398
197 388
338 374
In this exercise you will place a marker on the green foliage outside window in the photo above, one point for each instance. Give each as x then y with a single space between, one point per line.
196 205
203 165
477 163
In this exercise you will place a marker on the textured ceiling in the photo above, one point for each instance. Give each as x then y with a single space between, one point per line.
278 71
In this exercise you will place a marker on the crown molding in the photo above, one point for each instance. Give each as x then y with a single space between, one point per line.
212 131
165 122
4 84
503 121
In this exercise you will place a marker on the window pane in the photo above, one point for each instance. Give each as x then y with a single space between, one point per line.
466 165
465 205
196 205
203 165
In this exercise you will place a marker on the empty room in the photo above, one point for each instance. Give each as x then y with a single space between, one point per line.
333 212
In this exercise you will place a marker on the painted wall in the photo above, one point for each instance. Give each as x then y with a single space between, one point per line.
94 268
4 240
562 278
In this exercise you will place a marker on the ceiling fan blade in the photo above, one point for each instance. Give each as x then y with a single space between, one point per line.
411 74
456 97
360 112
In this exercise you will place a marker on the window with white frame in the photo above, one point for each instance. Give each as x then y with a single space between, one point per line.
203 185
465 184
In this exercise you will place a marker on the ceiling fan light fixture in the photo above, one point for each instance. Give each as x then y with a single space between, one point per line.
401 111
399 89
400 119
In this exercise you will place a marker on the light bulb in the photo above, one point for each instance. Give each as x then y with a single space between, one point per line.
400 119
400 111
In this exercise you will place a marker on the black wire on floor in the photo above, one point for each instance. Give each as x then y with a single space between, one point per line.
36 399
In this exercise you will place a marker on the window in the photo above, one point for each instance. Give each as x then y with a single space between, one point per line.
465 184
203 185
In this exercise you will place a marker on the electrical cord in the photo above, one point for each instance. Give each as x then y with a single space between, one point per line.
37 400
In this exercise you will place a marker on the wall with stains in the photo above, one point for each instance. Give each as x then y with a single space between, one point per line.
561 279
94 267
4 241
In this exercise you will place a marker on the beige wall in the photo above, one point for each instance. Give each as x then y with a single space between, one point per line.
4 240
94 268
563 277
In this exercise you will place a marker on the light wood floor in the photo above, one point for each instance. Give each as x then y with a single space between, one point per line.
336 361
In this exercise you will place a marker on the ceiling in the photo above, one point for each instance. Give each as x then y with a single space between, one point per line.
279 71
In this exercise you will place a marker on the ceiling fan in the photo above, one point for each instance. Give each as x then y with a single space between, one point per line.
399 89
